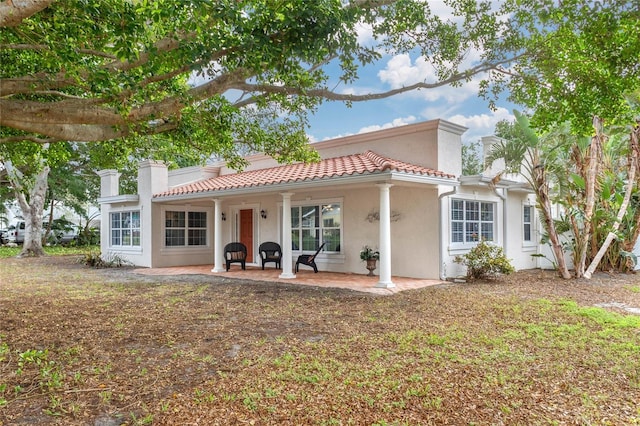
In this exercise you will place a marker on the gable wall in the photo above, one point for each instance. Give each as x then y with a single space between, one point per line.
435 144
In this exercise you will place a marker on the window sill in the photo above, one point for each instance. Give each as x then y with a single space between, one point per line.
126 249
459 248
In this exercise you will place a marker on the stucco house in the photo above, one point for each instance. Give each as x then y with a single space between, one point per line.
397 189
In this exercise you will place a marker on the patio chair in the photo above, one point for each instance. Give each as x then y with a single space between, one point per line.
309 259
235 253
270 252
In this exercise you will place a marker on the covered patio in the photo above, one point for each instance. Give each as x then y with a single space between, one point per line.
355 282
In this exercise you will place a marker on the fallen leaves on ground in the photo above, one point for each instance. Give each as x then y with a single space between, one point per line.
107 347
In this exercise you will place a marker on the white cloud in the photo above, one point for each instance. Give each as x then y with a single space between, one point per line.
480 124
395 123
400 121
401 71
365 34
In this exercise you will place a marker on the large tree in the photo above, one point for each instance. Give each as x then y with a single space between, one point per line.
105 69
582 61
539 160
581 70
118 70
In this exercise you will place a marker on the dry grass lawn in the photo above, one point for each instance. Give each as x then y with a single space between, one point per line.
105 347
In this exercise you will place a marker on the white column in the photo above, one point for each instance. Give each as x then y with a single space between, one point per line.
385 237
218 255
287 262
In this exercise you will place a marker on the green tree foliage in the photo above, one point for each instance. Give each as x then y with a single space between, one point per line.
96 70
557 164
539 161
581 60
472 159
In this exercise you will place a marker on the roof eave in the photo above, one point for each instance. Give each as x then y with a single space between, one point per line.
119 199
387 176
481 180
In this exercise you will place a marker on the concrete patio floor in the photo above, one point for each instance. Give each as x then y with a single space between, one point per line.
356 282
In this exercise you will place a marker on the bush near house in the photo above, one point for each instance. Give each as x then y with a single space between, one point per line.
485 261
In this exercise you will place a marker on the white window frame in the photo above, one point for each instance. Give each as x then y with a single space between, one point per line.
465 221
527 225
186 228
129 228
320 204
531 243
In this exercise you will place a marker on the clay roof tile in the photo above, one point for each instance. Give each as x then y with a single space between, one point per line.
355 164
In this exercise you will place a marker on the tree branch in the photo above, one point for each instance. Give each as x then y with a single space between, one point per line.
331 95
29 138
29 84
13 12
83 120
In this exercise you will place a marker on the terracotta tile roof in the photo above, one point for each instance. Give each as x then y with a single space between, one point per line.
356 164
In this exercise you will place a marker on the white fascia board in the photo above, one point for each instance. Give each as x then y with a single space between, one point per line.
481 180
430 180
276 188
119 199
301 185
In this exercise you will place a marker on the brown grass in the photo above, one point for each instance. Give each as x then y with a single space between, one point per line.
81 346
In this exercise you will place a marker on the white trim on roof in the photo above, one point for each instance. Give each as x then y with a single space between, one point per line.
378 177
119 199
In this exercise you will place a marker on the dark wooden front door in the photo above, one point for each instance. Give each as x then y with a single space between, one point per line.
246 232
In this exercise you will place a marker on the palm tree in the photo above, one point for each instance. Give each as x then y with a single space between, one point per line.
538 160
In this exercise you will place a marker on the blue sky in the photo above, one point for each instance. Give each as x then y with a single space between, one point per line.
460 105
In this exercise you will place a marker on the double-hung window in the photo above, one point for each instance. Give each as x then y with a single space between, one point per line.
472 221
125 228
527 222
311 225
182 228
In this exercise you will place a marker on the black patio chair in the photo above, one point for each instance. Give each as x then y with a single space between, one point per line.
270 252
235 253
309 259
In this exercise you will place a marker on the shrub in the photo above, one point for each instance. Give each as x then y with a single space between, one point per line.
111 260
485 261
88 236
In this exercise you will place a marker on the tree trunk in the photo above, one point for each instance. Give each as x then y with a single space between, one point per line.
32 245
556 246
633 165
590 178
542 193
32 207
